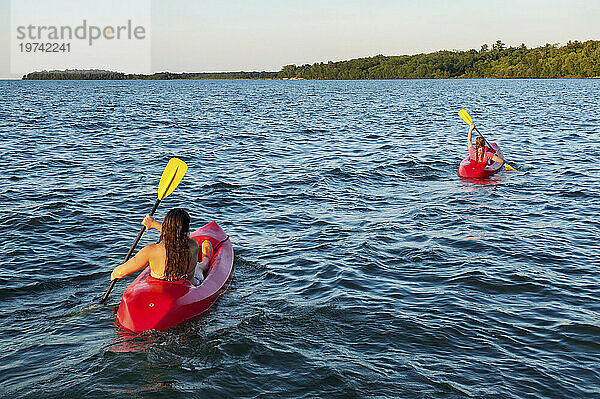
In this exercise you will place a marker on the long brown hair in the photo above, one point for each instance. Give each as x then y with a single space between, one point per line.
479 143
175 230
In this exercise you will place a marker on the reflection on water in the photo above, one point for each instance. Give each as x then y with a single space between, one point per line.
484 183
128 341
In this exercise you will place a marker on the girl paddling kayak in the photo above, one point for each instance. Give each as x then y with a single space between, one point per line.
152 304
175 255
479 152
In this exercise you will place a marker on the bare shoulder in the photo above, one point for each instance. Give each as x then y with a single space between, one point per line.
152 248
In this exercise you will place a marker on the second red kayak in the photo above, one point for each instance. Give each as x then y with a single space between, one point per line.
470 169
152 304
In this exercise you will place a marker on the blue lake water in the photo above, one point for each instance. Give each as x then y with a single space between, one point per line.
365 267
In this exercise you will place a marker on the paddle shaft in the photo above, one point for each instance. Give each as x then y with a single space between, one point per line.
139 236
485 141
507 166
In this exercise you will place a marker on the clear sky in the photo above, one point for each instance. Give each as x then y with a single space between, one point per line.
233 35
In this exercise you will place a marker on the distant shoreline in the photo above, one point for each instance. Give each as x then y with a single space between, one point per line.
98 74
312 80
575 60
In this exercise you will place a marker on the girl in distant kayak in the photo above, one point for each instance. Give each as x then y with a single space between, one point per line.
479 152
175 256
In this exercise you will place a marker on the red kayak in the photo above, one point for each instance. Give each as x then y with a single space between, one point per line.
152 304
476 170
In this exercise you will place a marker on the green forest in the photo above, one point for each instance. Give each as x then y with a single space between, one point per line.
97 74
573 60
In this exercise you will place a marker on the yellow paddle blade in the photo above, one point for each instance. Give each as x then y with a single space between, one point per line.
465 116
508 167
171 177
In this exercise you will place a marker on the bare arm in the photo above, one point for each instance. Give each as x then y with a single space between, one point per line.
140 260
469 135
151 223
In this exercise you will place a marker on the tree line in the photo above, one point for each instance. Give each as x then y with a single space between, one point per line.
95 74
575 60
